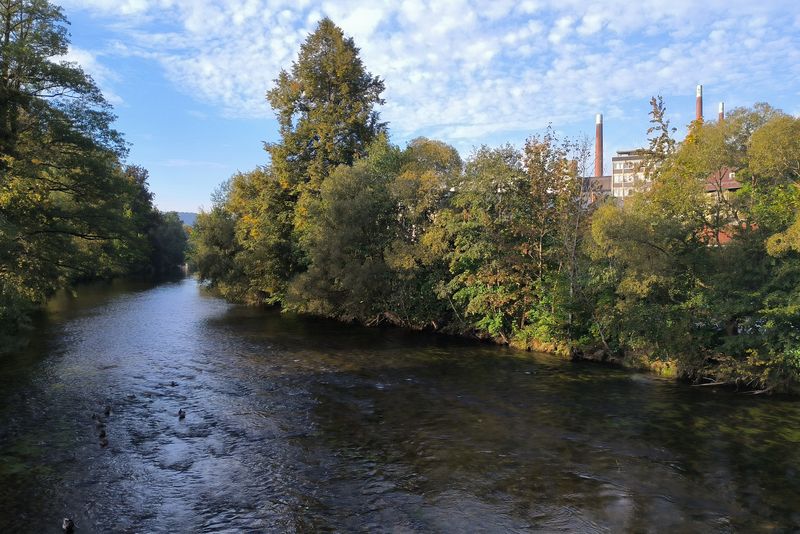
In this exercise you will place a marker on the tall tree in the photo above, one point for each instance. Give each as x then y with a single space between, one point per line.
58 151
325 109
41 94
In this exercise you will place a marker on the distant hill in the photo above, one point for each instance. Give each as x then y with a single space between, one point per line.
187 218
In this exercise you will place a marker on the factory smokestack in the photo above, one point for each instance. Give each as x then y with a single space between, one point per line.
699 104
721 111
598 145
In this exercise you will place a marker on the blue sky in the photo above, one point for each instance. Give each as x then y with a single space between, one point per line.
188 77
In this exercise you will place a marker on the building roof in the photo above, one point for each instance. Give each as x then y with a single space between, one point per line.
638 152
723 179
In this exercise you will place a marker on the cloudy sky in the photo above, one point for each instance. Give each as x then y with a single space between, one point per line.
188 77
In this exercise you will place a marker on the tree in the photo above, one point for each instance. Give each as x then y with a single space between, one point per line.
486 285
168 241
429 172
263 211
325 109
212 252
37 91
674 289
651 253
774 150
58 152
69 210
661 140
61 192
348 232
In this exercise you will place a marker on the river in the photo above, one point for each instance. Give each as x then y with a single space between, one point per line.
303 425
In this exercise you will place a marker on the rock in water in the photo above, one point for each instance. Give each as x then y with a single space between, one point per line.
68 525
181 414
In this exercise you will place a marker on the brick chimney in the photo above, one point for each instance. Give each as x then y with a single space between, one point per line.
598 145
699 104
721 112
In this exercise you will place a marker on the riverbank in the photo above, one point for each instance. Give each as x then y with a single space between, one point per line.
719 372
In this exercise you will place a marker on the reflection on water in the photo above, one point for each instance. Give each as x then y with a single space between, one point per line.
301 425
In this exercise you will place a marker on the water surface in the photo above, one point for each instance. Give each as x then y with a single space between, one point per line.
302 425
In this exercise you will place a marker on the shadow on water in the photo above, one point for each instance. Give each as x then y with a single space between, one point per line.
303 425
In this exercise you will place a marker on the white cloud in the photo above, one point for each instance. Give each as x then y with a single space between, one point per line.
561 29
465 69
592 23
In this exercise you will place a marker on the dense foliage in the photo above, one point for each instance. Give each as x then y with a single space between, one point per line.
69 209
707 278
507 245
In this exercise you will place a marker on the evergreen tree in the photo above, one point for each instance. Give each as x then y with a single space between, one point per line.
325 109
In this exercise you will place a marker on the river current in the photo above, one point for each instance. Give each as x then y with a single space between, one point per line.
295 424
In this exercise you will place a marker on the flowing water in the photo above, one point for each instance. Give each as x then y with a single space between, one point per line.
301 425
